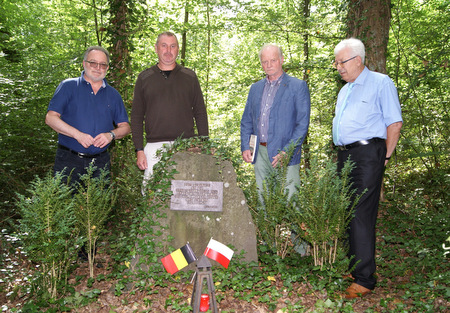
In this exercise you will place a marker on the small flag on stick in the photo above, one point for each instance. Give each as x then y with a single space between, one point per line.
219 252
178 259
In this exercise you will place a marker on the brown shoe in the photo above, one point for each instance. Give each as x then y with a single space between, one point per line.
348 276
355 291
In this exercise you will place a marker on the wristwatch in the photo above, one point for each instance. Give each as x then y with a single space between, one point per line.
113 136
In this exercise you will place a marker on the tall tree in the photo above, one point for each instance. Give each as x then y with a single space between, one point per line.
98 30
369 20
421 49
306 71
119 31
184 35
208 56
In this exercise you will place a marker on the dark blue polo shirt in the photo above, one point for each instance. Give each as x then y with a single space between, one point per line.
90 113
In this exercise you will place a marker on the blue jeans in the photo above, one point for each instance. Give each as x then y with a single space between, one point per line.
74 166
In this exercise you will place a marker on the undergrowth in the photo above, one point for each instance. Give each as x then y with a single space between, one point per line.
413 272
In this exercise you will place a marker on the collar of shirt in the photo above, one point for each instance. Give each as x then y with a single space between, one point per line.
361 77
276 81
86 82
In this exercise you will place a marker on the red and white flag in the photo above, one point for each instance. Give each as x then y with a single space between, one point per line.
219 252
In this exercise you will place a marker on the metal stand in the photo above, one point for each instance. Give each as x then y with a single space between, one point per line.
203 272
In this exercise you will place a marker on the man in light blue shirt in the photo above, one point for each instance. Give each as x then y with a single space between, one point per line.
366 129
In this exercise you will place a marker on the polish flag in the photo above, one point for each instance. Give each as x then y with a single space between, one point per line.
219 252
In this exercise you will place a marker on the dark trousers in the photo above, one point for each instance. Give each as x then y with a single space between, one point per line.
368 173
74 166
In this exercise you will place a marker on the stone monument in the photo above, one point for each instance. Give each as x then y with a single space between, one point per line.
206 203
205 179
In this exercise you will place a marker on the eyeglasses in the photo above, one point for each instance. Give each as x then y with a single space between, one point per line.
336 63
93 64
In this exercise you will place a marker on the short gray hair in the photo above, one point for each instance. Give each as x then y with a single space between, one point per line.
355 45
280 52
97 48
168 34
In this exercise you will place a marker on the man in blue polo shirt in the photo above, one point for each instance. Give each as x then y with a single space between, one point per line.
88 114
366 129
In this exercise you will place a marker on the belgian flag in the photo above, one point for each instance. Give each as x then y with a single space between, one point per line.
178 259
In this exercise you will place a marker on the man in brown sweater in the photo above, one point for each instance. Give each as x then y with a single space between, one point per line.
167 100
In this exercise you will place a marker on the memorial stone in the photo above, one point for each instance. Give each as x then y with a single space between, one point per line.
196 215
232 226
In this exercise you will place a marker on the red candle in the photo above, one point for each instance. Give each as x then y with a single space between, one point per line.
204 302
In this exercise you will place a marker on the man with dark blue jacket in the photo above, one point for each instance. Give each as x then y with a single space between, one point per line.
277 112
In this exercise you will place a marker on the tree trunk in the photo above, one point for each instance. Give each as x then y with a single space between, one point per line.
184 39
369 21
306 71
208 57
120 63
97 30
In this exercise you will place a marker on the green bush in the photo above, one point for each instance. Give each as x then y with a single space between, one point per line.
326 201
48 232
273 214
318 213
93 202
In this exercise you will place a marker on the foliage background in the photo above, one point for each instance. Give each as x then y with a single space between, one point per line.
42 43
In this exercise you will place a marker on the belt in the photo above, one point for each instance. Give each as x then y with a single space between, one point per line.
359 143
81 155
263 144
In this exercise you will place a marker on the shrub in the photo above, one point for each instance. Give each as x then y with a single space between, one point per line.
318 213
93 201
47 230
326 200
273 214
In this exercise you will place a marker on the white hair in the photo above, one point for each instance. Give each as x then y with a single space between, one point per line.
280 52
355 45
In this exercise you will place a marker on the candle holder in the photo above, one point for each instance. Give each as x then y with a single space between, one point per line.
199 298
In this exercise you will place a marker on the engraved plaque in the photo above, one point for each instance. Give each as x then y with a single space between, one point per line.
191 195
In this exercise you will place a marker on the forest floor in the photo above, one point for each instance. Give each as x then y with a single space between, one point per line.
139 301
135 300
16 270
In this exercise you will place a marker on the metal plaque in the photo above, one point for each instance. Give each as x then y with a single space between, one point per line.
188 195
